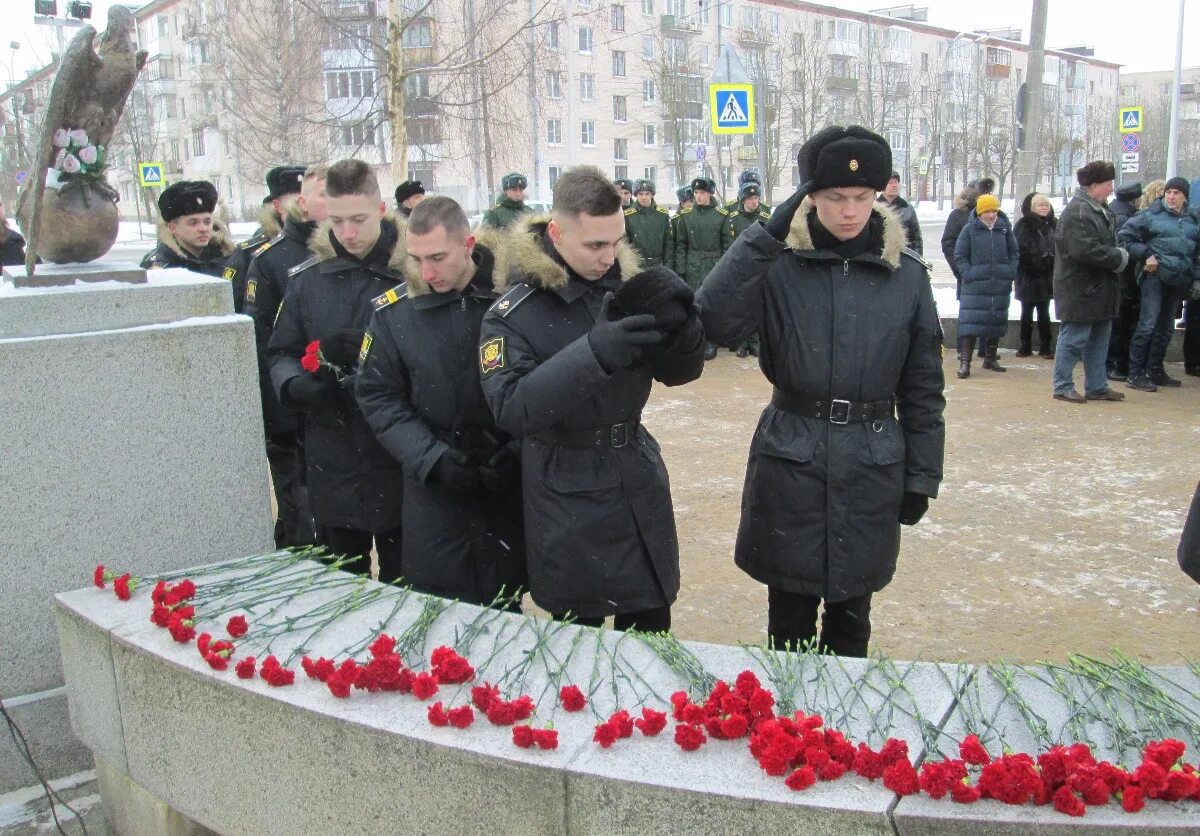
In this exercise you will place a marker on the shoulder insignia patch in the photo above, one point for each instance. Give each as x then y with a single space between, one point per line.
253 242
394 294
722 210
366 347
251 289
765 216
508 303
491 355
303 265
630 211
663 210
914 254
267 245
229 274
683 211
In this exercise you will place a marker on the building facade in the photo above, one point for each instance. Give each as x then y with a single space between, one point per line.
1152 92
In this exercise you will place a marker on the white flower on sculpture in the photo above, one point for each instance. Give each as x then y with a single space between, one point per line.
61 138
87 154
70 164
79 137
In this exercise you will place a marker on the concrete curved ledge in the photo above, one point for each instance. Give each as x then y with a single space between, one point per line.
237 756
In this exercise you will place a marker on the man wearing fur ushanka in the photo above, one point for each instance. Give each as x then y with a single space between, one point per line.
188 234
852 443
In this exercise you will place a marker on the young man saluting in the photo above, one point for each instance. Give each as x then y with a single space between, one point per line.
568 373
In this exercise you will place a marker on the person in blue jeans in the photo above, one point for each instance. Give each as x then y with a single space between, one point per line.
1087 268
1162 241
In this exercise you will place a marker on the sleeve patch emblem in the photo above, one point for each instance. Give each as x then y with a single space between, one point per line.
251 289
366 348
229 274
491 355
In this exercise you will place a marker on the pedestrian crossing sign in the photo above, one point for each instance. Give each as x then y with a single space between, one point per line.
732 107
150 174
1129 120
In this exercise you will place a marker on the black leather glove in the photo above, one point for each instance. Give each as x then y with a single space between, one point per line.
780 222
688 336
619 344
342 348
913 507
502 472
456 471
310 389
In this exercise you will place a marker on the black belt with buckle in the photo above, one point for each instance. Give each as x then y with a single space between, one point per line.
615 436
835 410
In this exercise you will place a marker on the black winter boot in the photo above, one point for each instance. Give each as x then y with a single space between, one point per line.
966 347
990 362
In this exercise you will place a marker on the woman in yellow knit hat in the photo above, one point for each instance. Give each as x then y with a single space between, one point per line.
986 258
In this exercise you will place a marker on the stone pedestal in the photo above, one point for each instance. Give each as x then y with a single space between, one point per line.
132 434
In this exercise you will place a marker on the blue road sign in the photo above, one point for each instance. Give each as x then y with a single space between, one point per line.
732 108
21 175
1131 142
150 174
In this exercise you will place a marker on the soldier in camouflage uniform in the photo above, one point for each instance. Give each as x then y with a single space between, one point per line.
625 187
702 234
510 207
747 210
685 197
747 176
283 184
648 227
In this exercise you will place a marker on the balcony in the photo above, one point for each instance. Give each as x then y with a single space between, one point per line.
754 37
841 84
343 9
193 29
998 70
901 89
686 25
842 46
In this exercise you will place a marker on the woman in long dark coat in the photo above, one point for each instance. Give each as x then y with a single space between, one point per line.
986 257
1035 272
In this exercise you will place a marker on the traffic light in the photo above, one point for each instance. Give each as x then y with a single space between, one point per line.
45 7
79 9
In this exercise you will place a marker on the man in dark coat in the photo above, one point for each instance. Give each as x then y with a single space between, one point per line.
903 209
512 206
188 234
964 205
418 387
354 486
408 195
849 335
1087 270
1162 243
569 373
986 257
1124 207
648 227
266 284
283 185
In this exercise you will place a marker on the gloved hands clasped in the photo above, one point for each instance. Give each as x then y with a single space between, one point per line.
620 343
660 292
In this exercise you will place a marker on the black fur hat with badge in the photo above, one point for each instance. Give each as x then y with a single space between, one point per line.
187 197
658 291
845 157
284 180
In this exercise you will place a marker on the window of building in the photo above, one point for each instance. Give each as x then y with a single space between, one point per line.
924 62
620 109
648 47
650 173
898 140
198 142
647 7
705 54
618 63
675 51
586 38
776 23
164 26
587 86
677 9
706 11
555 172
725 14
621 172
418 33
552 34
618 18
999 56
649 91
587 132
554 84
620 149
416 86
358 134
355 84
554 131
649 135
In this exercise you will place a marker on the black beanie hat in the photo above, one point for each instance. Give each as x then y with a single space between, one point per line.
1179 184
1097 171
845 157
284 180
187 197
407 189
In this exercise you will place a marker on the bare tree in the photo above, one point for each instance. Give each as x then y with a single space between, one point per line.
139 136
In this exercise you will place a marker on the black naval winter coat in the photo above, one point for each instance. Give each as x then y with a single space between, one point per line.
418 387
600 530
352 481
266 283
237 267
821 501
170 253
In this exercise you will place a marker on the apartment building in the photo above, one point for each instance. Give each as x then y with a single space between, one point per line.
619 85
1151 91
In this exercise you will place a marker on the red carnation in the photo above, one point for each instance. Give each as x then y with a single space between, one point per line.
689 738
321 669
1067 802
523 707
901 778
734 726
651 722
245 668
184 612
484 695
868 763
605 735
424 686
202 643
572 698
383 645
964 793
972 751
1133 799
275 674
450 668
545 738
1165 753
159 594
180 592
181 629
832 771
437 714
124 587
801 779
311 361
99 576
523 736
217 660
237 626
461 717
160 615
622 723
501 713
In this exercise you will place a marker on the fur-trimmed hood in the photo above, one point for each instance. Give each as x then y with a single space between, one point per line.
220 238
966 198
491 239
268 221
800 239
322 248
292 209
521 253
